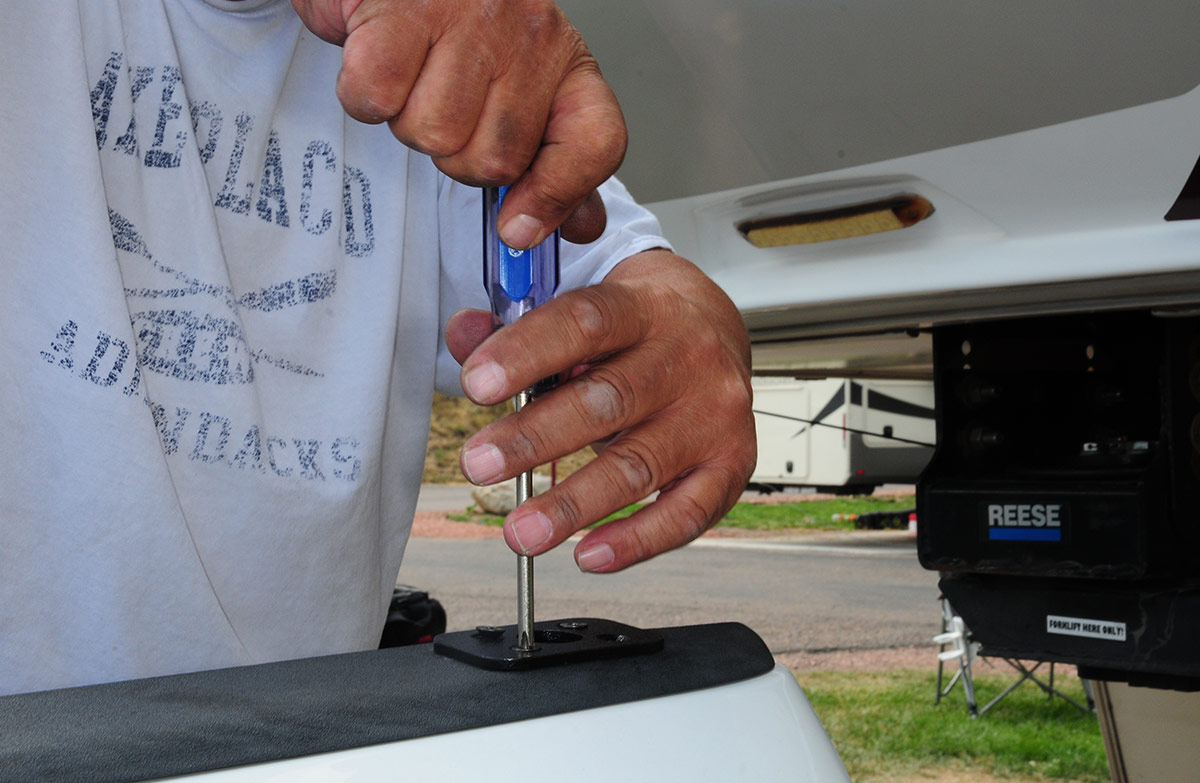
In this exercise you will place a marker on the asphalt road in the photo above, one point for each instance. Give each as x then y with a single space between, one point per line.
798 598
444 497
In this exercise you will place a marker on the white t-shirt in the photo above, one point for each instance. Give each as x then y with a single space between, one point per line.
222 302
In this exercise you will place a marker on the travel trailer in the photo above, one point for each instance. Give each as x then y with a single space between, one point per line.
840 435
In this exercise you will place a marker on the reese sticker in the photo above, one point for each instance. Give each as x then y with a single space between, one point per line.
1024 521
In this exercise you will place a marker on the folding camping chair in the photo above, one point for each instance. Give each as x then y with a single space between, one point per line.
955 643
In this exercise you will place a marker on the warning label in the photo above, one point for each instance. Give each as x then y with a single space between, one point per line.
1092 629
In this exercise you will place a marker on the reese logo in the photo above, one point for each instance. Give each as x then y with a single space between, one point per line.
1025 521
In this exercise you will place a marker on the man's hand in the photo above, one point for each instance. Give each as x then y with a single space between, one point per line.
660 364
497 92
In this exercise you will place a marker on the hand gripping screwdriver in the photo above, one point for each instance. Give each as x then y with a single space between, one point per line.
516 282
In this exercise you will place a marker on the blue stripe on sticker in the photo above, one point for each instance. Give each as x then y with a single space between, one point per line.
1024 534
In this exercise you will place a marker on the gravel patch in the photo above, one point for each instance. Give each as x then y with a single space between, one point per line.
438 524
922 657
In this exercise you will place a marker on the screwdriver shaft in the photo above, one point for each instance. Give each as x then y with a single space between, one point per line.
525 639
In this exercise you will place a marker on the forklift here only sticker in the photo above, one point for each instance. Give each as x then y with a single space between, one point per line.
1091 629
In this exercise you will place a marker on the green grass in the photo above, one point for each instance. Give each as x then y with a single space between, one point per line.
473 514
813 514
887 725
809 514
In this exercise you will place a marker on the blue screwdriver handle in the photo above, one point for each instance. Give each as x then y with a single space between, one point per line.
516 280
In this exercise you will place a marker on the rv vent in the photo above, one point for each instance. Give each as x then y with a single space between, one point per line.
827 225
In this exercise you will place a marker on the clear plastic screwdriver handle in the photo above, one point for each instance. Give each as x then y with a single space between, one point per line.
516 280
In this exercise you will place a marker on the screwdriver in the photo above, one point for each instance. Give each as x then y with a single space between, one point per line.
516 282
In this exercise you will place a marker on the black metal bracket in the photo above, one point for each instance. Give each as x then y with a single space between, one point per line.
556 642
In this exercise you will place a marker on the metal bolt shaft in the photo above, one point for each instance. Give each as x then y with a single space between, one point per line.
524 562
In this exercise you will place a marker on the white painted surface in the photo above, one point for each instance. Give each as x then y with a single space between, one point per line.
759 730
1082 200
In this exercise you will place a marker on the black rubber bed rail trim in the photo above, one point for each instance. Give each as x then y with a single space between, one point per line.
165 726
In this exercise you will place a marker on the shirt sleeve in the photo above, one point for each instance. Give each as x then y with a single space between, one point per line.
630 229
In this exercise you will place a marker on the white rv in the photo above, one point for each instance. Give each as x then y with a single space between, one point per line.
841 435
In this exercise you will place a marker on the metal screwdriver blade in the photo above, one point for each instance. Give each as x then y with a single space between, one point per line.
525 641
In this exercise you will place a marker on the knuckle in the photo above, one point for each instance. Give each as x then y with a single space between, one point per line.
706 341
367 104
730 477
558 196
633 466
567 508
686 521
589 312
365 96
498 170
607 143
735 396
437 139
604 396
693 518
638 545
540 19
525 446
614 142
734 462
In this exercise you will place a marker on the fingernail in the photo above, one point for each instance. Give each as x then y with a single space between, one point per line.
483 464
595 557
531 529
521 232
484 382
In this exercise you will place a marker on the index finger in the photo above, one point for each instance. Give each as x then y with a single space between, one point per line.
576 328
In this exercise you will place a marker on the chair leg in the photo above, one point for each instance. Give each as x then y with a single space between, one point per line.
1087 691
1048 689
1025 675
937 699
969 687
950 685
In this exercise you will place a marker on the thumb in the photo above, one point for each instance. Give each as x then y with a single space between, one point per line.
465 330
583 145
